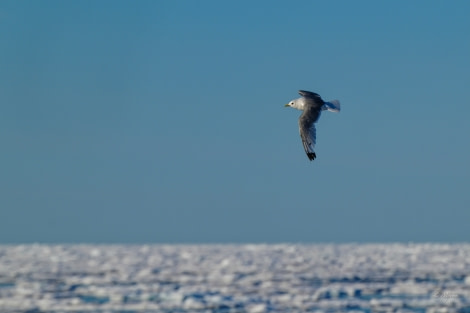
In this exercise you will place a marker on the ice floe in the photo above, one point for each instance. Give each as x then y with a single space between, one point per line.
407 278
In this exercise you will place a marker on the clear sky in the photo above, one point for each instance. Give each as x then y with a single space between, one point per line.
163 121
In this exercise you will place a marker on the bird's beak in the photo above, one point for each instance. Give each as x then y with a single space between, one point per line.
287 105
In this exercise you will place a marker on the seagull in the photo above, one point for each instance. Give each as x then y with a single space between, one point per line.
311 104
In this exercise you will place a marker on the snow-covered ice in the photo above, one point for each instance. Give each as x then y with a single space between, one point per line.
419 278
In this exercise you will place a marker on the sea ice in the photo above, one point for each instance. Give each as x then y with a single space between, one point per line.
407 278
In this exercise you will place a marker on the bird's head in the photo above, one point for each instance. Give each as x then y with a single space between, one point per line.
296 104
290 104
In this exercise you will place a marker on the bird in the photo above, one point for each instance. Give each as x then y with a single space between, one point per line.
312 105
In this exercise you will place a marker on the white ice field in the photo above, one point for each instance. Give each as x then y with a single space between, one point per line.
354 278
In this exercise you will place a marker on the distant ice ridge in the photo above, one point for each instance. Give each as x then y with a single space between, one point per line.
404 278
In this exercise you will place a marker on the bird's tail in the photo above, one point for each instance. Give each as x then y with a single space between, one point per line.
332 105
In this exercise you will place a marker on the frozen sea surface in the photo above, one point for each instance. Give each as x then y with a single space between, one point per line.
354 278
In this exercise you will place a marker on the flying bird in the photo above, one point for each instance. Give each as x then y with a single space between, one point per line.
311 104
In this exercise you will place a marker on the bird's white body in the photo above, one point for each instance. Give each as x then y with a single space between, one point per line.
332 105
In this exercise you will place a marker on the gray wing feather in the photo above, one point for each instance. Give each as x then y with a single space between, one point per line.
307 130
312 96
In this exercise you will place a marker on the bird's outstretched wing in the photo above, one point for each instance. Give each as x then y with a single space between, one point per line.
307 130
311 95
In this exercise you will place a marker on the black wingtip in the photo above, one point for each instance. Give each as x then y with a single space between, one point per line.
311 156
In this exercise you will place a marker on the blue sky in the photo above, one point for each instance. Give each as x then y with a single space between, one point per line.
163 121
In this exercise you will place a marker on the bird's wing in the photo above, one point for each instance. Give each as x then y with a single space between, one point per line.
307 130
311 95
